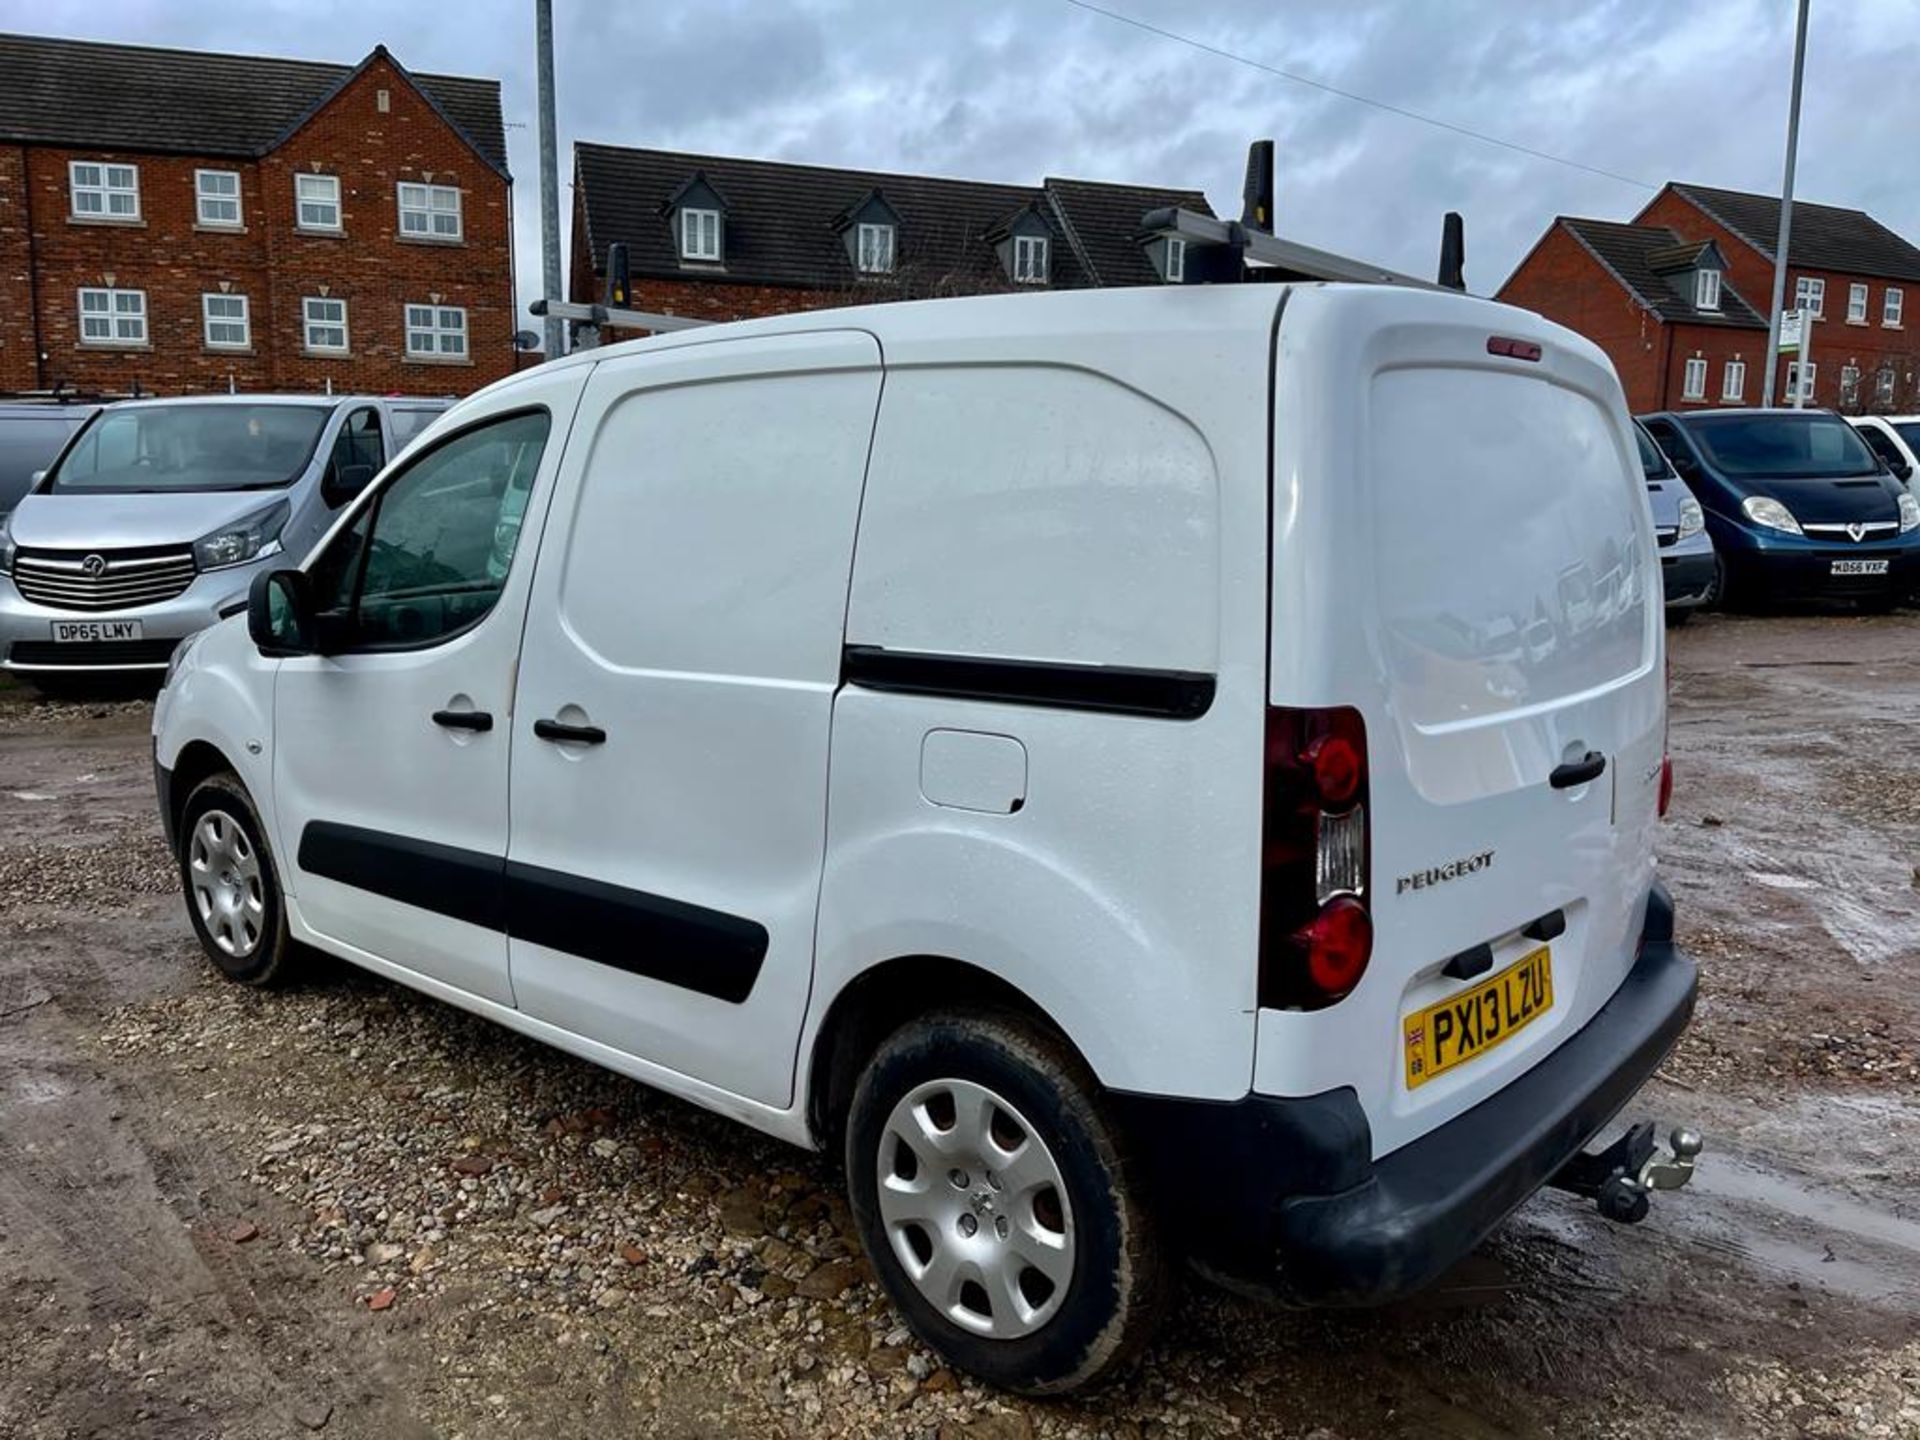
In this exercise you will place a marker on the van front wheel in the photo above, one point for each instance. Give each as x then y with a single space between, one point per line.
995 1201
232 887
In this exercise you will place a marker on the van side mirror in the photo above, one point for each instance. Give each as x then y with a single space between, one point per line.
342 482
280 613
1901 470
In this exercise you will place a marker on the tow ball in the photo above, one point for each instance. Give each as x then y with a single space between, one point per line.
1621 1179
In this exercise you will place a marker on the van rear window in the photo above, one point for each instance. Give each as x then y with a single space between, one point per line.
1511 567
1784 446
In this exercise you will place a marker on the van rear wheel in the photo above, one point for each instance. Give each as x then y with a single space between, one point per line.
995 1201
231 884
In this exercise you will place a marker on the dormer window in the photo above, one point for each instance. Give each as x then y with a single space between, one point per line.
1706 290
699 234
1176 260
1030 259
876 249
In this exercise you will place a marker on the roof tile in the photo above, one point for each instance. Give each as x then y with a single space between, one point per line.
139 97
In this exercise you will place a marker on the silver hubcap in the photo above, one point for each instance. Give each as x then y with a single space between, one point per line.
975 1209
224 871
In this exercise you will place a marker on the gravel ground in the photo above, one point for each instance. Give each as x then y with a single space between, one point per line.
347 1209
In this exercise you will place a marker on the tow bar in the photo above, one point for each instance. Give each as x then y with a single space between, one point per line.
1623 1177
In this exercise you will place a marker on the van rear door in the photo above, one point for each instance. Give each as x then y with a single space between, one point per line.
1463 551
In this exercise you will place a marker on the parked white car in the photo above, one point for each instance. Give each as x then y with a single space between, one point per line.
1896 440
1148 776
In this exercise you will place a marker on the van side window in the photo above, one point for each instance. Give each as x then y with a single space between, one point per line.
359 442
1878 442
429 557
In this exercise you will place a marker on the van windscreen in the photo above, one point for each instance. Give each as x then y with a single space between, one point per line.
1784 446
160 449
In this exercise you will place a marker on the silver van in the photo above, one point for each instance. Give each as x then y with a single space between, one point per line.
154 518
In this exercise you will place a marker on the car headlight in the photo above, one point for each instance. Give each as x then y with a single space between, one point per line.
244 539
1692 518
6 546
1767 511
1909 517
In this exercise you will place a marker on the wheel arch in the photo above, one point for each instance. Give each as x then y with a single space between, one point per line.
198 759
880 999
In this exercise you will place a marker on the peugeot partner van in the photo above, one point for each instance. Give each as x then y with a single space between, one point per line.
1146 776
157 514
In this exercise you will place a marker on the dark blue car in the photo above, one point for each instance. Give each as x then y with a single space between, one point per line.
1798 507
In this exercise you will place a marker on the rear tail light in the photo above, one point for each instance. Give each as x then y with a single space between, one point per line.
1316 934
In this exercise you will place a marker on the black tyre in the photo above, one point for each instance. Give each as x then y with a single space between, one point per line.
232 885
996 1202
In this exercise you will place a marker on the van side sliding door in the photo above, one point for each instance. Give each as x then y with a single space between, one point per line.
669 773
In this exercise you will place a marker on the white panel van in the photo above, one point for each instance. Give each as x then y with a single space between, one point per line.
1151 777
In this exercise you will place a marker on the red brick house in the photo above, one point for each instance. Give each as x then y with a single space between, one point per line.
190 221
725 238
1678 299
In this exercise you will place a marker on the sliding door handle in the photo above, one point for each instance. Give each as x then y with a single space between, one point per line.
478 720
1578 772
569 734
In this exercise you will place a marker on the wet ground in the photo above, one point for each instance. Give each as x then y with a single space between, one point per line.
348 1210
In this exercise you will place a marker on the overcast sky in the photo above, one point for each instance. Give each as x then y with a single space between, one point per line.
1013 90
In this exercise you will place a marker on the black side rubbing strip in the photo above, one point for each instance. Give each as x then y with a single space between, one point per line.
706 951
1116 689
702 950
460 884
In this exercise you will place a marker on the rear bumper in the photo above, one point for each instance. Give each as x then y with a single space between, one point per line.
1282 1197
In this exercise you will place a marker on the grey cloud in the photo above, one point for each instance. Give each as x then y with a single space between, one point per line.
1016 89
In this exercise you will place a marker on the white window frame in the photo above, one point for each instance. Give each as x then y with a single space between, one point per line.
309 323
1733 382
873 245
301 201
423 213
1891 306
202 197
1030 257
105 189
1849 384
1802 376
699 234
1810 296
1706 289
1176 260
1857 303
1694 384
209 301
438 325
126 324
1884 382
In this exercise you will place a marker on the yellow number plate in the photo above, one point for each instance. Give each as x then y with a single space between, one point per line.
1471 1023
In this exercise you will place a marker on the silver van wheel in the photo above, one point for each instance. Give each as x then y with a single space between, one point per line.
224 875
975 1209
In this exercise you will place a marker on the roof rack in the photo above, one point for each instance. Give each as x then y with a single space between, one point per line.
68 395
1227 252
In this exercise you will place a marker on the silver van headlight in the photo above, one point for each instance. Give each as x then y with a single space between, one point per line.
244 539
1692 518
1909 517
6 546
